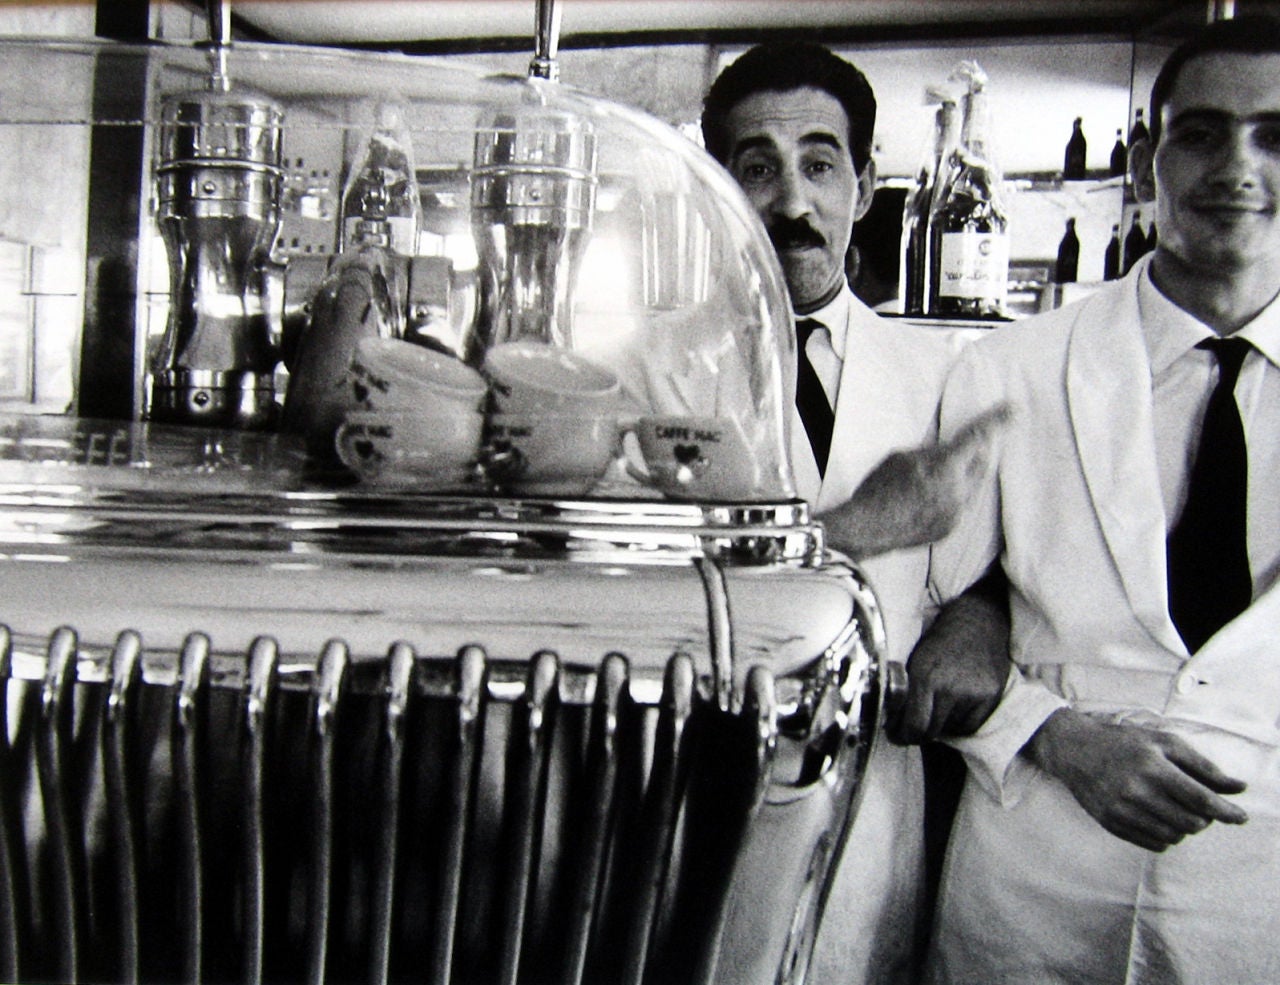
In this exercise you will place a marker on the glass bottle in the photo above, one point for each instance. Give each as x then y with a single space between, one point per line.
969 227
363 295
365 291
384 187
1139 129
914 267
1068 255
1119 156
1111 258
1135 242
1073 159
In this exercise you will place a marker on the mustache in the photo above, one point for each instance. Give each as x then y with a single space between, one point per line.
792 233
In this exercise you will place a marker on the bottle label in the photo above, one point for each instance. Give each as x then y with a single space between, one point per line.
974 265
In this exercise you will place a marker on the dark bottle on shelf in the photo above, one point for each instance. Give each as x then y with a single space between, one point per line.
1119 156
1068 255
1135 242
1151 237
969 238
1139 129
1073 160
1111 258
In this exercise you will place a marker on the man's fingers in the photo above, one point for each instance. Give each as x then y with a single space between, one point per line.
1200 767
1149 816
983 428
965 719
968 451
1153 837
913 725
1196 790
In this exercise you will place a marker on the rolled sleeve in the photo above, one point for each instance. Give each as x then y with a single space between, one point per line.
991 753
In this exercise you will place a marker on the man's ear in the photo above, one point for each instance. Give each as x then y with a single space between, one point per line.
866 189
1142 170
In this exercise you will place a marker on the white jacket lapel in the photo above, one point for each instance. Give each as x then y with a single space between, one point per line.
1109 399
864 428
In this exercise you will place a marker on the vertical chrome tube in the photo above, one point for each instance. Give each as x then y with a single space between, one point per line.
219 15
546 42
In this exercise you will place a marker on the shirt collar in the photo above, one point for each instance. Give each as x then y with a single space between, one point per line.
1264 332
1170 332
834 317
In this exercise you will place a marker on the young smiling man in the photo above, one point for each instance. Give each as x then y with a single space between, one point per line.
1121 822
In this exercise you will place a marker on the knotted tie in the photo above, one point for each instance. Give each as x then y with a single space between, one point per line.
1209 581
811 399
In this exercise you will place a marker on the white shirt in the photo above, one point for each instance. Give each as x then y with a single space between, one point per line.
823 347
1182 378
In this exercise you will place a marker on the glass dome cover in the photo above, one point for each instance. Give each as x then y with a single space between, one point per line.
602 276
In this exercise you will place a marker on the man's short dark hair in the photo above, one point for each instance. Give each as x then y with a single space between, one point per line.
781 67
1255 34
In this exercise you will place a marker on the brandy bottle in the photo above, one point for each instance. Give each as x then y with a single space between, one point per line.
969 234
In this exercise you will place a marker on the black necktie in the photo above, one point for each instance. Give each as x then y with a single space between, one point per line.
1209 582
811 399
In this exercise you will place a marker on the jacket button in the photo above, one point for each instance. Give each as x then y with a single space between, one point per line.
1186 683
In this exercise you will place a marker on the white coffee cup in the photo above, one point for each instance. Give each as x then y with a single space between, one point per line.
392 374
527 377
544 454
404 449
696 458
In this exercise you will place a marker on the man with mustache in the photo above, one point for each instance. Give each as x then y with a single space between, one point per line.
793 123
1121 817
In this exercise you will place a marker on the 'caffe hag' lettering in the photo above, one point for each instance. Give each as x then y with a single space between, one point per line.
671 432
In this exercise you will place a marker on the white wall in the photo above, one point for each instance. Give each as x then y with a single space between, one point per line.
69 18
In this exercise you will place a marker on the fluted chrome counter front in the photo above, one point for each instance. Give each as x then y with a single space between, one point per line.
725 634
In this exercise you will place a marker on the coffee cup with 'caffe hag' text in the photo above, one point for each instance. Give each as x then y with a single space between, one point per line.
403 449
533 377
392 374
696 458
545 454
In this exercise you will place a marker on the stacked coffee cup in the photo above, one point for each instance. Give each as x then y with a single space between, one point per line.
416 416
553 429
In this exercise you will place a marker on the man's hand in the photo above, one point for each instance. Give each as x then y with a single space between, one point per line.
915 497
1143 785
957 671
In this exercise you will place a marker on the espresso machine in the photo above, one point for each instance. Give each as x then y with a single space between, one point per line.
261 725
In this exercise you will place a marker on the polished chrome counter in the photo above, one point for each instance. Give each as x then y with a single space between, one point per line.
162 570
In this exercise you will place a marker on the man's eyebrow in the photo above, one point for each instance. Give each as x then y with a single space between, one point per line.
750 143
823 138
1207 114
816 137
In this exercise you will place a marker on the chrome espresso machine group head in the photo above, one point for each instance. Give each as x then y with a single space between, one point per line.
219 184
533 193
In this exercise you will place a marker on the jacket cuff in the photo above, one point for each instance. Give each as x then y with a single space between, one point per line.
991 753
